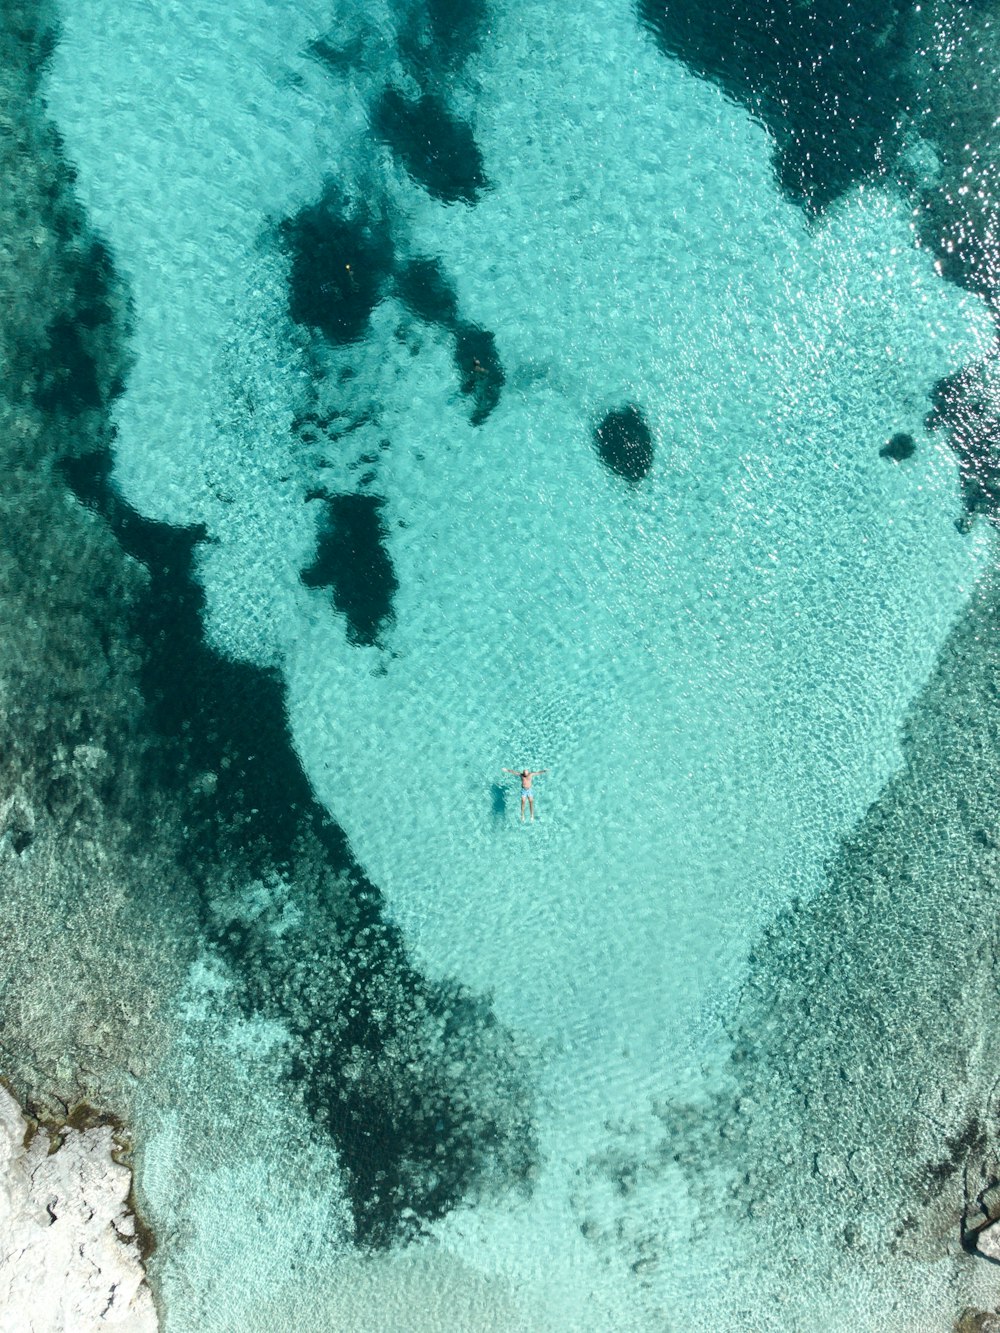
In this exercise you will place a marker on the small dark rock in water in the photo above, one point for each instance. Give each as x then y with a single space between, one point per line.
624 443
482 372
899 447
353 562
436 148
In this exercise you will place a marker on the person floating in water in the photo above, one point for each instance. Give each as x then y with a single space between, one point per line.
527 795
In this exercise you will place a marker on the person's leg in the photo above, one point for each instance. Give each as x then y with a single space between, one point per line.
523 799
531 807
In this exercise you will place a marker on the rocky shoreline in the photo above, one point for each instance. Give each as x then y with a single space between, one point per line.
71 1248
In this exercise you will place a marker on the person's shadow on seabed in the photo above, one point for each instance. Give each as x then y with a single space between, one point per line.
499 800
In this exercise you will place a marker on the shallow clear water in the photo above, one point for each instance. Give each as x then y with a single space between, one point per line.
712 663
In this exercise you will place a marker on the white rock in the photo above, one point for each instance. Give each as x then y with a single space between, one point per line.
67 1264
988 1241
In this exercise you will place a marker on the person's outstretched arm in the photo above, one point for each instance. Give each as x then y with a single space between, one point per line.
539 773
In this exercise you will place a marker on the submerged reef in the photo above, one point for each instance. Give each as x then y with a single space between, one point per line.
905 92
353 562
150 785
966 406
807 73
868 1028
332 291
341 257
624 443
458 1126
339 273
423 286
88 952
438 36
425 1095
856 1122
954 66
437 149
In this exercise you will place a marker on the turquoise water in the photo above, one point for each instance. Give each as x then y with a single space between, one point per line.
712 663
